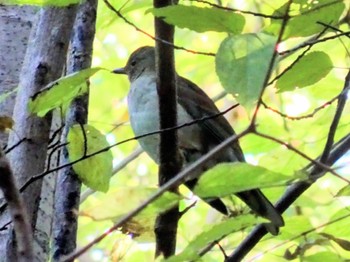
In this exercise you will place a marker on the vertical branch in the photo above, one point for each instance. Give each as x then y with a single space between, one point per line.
170 163
44 61
68 185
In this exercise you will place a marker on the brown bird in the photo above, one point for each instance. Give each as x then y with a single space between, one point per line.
195 140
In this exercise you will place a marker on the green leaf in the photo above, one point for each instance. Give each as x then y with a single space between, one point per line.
338 224
61 92
322 256
345 191
306 16
216 232
40 2
307 71
242 62
229 178
95 172
201 19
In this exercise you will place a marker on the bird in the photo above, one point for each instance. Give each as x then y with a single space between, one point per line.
193 141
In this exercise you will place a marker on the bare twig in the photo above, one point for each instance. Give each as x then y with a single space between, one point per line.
292 148
272 62
312 114
313 42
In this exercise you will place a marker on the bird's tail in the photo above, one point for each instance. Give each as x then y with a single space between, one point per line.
256 200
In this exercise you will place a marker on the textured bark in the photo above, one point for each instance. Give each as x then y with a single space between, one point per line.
68 185
15 25
44 62
43 226
170 161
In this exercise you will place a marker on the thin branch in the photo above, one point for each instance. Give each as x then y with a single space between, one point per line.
292 148
313 42
339 111
157 39
116 169
272 62
8 150
291 65
310 115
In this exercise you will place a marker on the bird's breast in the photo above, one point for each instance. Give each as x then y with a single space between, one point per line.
143 108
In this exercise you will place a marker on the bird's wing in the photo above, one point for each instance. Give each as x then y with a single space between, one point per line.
218 128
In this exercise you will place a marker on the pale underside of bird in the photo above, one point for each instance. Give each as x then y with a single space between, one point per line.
195 140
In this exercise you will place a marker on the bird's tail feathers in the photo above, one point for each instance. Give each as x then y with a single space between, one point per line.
256 200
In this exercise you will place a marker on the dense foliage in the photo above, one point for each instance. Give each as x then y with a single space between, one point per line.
234 44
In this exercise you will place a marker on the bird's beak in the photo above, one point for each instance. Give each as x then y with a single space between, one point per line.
119 71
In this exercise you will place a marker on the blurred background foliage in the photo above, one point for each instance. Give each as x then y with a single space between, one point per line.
115 41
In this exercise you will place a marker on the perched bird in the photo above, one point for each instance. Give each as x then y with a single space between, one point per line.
195 140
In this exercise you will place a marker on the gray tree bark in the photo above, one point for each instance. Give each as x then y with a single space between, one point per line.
15 25
68 185
44 62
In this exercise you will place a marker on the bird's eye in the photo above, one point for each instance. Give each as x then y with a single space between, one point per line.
133 63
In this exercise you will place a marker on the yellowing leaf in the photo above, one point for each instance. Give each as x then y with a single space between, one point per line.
95 172
6 122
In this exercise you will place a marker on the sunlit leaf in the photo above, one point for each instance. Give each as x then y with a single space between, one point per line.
345 191
307 71
338 224
228 178
241 64
322 256
61 92
215 233
201 19
95 172
310 13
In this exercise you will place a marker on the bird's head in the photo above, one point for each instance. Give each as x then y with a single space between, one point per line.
141 61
